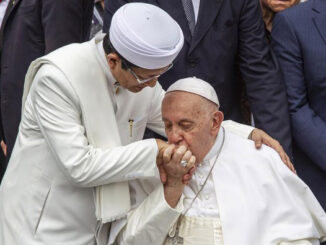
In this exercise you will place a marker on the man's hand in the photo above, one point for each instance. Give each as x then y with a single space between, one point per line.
260 137
279 5
162 146
172 158
174 185
159 159
4 147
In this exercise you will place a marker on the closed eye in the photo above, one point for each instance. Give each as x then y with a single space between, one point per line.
186 126
167 126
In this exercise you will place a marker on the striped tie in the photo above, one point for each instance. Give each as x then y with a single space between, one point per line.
190 14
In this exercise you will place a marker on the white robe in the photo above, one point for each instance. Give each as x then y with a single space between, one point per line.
47 193
259 202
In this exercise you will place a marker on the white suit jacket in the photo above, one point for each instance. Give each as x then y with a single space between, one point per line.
47 193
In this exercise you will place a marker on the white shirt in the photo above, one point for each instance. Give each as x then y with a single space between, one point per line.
196 4
3 7
205 204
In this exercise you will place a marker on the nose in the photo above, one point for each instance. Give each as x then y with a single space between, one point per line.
175 136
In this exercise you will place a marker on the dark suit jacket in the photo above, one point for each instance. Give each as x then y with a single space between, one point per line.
30 29
228 34
299 40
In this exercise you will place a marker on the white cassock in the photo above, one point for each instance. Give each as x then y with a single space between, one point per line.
251 198
75 135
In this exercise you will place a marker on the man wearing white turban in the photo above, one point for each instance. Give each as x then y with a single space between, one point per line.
85 109
237 195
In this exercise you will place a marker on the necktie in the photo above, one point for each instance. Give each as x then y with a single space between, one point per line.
190 14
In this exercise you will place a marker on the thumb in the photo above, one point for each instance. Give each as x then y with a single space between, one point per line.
162 173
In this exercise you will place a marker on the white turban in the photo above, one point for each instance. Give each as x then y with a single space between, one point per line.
196 86
145 35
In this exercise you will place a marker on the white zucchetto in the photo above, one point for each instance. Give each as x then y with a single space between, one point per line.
196 86
145 35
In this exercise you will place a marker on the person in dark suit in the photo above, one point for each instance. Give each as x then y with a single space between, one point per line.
97 21
271 7
299 41
226 35
30 29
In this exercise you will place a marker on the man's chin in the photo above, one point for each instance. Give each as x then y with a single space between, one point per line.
136 89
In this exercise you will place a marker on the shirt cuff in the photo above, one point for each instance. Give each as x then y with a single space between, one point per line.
152 142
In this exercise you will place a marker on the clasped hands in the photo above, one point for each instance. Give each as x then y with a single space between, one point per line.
169 159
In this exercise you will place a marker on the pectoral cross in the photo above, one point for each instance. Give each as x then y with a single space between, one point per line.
176 239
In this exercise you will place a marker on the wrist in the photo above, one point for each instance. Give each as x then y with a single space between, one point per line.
172 194
174 183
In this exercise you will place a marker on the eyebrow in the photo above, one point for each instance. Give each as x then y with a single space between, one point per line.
181 121
186 121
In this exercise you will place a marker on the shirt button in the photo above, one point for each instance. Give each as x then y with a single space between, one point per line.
207 197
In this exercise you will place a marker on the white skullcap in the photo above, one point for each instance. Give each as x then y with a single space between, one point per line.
145 35
196 86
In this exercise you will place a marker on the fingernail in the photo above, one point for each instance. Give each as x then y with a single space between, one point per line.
182 149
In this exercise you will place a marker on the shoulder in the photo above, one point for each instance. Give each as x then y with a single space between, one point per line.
297 12
247 154
73 51
48 75
50 80
293 23
263 168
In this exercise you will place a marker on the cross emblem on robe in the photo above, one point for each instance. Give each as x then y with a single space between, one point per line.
176 239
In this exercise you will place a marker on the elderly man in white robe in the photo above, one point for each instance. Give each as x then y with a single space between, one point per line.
237 195
85 109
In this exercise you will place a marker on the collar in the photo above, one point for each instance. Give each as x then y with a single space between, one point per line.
102 57
217 145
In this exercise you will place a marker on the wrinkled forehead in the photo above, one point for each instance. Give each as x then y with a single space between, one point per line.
182 104
180 96
184 99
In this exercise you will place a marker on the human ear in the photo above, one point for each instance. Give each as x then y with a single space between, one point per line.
113 60
217 119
